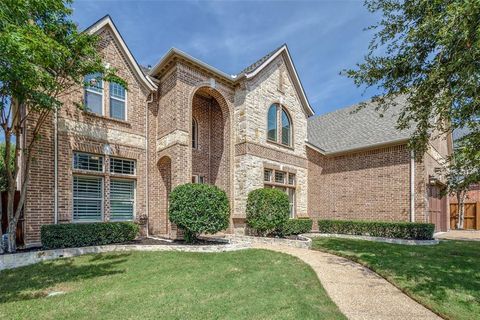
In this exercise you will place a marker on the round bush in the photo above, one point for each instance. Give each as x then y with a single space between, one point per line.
267 210
199 208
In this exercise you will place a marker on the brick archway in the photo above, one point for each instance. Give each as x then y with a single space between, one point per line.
211 159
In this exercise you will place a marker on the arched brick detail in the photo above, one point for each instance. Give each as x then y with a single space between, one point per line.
213 156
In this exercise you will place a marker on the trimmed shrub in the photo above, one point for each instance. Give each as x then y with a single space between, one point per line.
399 230
296 226
267 210
199 208
70 235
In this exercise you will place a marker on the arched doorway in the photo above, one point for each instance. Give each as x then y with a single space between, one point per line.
211 130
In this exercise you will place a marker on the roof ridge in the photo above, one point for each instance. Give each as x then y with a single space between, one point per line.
260 61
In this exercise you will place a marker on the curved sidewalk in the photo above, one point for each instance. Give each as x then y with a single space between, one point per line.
357 291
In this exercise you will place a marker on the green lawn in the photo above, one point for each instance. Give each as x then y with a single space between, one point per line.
249 284
445 277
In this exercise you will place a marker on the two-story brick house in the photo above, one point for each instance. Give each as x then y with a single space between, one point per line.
185 121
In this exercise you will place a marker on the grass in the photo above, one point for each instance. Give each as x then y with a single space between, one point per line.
445 277
248 284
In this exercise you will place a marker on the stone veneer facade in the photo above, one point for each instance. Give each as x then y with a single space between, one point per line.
232 151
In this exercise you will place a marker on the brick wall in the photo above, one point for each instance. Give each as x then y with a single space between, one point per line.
86 132
369 185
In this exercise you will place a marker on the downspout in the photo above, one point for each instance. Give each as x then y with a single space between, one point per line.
412 186
149 100
55 164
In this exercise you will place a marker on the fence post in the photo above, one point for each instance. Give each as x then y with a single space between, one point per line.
477 215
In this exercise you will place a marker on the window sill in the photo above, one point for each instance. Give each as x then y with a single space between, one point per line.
98 116
88 173
277 184
280 145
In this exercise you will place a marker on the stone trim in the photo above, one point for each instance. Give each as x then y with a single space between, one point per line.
261 151
175 137
375 239
98 133
11 261
304 242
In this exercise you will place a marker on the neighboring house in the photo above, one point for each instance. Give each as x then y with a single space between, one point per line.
185 121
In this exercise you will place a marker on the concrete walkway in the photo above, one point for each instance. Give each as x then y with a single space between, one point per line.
358 292
464 235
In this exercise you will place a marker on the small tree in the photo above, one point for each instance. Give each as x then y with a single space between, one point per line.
43 58
463 171
267 210
199 208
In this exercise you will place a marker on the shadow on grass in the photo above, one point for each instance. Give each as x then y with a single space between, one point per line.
432 272
28 282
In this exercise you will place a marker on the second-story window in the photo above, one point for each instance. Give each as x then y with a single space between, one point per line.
118 108
94 93
277 114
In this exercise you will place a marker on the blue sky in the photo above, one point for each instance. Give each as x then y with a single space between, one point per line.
324 37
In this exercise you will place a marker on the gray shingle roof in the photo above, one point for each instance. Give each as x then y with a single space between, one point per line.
259 62
345 129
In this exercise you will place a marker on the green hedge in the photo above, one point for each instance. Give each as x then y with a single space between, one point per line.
400 230
296 226
87 234
267 210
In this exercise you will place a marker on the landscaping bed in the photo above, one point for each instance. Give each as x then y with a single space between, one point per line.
445 278
247 284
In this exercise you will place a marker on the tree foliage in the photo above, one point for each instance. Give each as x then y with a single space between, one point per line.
463 171
43 58
3 171
428 51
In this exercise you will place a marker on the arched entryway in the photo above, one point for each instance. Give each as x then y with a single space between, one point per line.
210 133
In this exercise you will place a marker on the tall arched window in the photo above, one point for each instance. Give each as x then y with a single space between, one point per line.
194 133
277 114
272 123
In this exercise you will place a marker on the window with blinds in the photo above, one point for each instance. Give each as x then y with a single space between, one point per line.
87 198
122 166
86 161
122 198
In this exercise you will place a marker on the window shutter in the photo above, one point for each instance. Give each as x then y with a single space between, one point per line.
122 194
87 198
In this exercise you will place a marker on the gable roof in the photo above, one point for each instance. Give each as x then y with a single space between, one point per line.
346 130
107 21
252 70
249 72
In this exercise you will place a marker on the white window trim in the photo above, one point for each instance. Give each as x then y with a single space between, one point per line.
87 89
134 214
102 207
122 100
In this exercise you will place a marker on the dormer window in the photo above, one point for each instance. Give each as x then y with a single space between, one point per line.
94 93
277 114
118 108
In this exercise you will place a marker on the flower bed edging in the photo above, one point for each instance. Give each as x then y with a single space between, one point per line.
11 261
376 239
304 242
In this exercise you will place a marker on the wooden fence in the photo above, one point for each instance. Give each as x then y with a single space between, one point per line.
472 216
